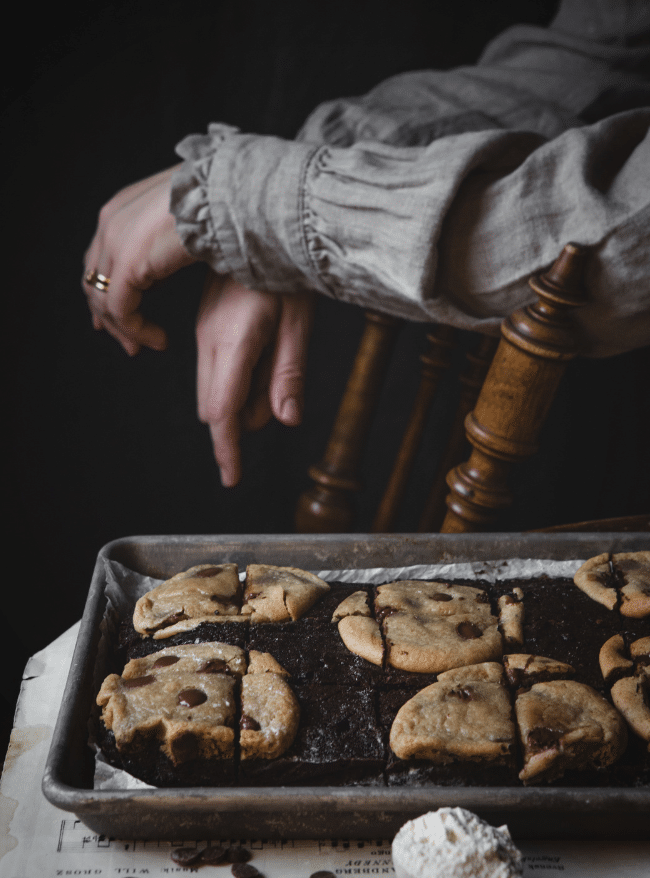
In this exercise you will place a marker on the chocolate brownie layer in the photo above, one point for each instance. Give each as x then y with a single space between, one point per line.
312 652
339 741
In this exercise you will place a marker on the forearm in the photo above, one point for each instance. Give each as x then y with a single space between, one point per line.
448 232
544 80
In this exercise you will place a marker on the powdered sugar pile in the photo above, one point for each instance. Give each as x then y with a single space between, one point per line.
454 843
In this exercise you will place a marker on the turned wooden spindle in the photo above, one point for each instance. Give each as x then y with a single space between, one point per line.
536 343
471 380
435 360
327 507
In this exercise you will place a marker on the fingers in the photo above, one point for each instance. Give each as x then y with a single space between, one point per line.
136 244
252 352
287 381
233 329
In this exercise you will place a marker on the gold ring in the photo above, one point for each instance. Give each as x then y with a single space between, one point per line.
97 280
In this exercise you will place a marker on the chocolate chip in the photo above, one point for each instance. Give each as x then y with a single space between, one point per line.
468 630
237 855
542 738
186 856
463 694
137 682
385 612
214 666
191 697
441 596
481 598
247 722
165 660
208 572
245 870
213 855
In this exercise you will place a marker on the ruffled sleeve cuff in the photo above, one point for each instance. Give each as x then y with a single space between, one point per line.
190 201
238 203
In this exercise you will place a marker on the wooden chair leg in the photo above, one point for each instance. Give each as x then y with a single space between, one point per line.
435 360
537 342
327 507
471 380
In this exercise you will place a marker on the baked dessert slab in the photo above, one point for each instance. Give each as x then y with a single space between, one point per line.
619 812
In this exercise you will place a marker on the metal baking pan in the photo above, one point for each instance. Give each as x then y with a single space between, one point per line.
319 812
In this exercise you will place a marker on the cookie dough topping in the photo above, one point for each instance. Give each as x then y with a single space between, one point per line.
355 604
205 593
269 713
465 716
524 670
564 724
621 580
511 618
186 698
633 568
280 594
612 659
631 687
431 627
183 696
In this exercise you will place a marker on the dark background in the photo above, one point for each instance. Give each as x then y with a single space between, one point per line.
102 446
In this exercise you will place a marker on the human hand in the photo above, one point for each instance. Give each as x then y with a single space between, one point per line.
252 352
135 244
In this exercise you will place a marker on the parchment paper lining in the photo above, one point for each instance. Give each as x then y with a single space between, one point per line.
124 587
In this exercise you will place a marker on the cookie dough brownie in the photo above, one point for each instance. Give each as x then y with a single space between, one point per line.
566 725
187 715
466 716
173 708
339 741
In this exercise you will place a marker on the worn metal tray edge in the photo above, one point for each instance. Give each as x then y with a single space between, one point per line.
319 812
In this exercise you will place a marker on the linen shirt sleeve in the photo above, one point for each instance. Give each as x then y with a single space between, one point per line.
432 224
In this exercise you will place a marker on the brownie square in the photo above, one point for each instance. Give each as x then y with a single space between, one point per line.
338 742
313 652
563 623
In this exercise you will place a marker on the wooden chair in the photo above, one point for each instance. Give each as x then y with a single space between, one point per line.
506 391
